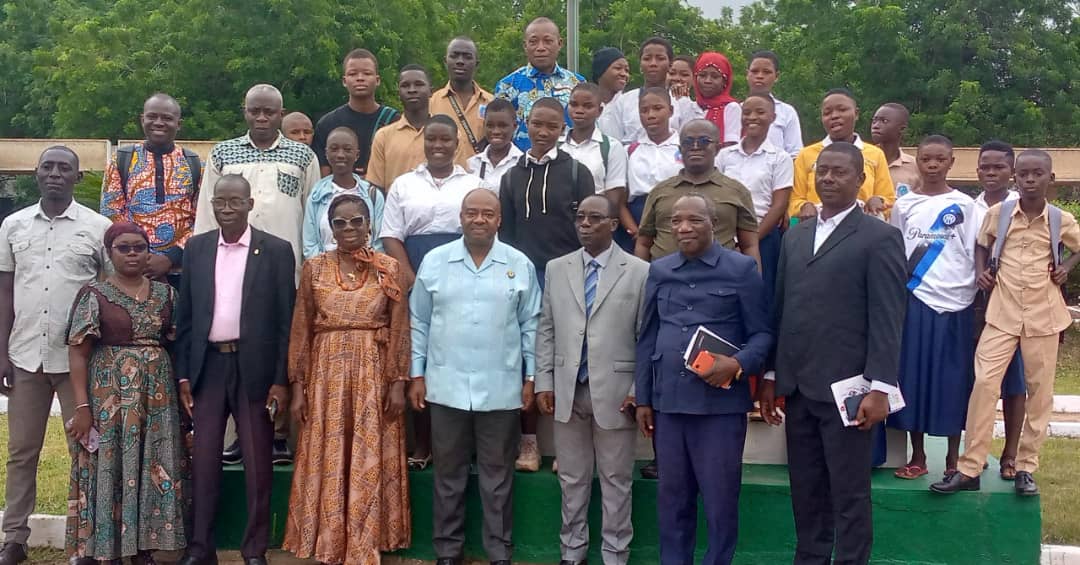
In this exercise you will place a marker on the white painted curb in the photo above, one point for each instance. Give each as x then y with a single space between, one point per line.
1063 404
53 411
1056 429
1060 555
46 530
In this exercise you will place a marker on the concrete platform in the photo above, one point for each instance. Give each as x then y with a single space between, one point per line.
911 524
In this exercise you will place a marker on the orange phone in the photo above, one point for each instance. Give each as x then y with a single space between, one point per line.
703 362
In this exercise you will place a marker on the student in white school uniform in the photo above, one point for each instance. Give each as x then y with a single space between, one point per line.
768 172
653 157
604 156
761 74
622 120
500 123
937 359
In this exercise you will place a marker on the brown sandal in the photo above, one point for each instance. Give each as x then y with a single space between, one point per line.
1007 471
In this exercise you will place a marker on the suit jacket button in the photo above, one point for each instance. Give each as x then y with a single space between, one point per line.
684 329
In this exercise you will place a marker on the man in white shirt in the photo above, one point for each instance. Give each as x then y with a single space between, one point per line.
48 251
281 172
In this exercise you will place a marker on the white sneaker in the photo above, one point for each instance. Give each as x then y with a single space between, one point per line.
529 455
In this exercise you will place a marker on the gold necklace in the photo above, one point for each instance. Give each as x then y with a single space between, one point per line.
127 290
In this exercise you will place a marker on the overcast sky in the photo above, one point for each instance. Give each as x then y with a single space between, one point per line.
712 8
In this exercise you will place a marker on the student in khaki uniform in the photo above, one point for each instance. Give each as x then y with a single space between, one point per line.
1027 310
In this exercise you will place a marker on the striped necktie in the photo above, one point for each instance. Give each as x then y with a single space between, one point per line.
591 277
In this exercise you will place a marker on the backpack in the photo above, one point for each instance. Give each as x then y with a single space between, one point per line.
1053 214
125 154
605 150
386 115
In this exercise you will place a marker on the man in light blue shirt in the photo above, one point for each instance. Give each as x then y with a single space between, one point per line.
475 308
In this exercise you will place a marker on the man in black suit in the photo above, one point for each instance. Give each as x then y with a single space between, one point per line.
232 324
839 312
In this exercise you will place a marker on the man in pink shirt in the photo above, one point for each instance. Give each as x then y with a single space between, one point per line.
232 324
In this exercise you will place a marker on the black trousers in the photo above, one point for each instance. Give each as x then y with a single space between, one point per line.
220 394
494 436
829 467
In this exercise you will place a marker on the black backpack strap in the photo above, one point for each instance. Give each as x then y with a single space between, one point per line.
124 155
195 164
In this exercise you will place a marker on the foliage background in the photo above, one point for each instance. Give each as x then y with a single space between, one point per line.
970 69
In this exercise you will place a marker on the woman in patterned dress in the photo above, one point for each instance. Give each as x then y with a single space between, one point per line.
126 497
348 365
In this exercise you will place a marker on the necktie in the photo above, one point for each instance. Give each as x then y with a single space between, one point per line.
591 276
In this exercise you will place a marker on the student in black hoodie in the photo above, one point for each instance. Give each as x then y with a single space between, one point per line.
539 197
540 194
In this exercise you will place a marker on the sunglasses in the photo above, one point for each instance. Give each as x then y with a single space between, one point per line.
128 249
692 142
356 222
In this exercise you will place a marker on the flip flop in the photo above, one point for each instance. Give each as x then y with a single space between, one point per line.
910 472
418 464
1008 470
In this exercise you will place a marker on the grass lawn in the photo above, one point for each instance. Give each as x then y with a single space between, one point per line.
1059 486
54 468
1067 380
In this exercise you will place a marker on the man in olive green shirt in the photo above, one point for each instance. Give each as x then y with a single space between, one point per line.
735 223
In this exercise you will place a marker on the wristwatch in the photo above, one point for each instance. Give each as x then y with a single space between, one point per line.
530 378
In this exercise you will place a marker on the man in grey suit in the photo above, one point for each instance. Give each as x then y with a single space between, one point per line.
585 377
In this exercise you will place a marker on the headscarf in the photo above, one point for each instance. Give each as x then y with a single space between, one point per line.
714 106
120 228
602 60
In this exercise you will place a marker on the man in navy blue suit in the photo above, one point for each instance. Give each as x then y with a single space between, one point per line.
699 419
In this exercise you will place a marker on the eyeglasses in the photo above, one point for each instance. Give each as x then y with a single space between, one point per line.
692 142
593 218
234 203
128 249
356 222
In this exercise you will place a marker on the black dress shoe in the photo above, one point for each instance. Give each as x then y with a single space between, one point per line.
255 561
192 560
955 482
12 553
568 562
82 561
501 562
281 454
449 561
650 470
1025 484
232 455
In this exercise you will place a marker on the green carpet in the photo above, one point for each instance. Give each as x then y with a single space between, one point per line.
911 525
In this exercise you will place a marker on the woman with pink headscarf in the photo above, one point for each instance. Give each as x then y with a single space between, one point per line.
712 86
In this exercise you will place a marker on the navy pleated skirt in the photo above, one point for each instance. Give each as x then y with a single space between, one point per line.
937 369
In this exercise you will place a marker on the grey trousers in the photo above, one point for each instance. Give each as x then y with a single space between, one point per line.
494 436
581 444
28 415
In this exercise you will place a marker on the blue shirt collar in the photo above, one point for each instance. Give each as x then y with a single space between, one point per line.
497 254
710 258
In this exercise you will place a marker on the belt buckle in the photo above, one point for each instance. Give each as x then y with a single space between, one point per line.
227 347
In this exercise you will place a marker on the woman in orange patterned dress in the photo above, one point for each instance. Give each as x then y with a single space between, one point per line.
348 365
